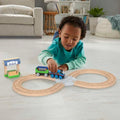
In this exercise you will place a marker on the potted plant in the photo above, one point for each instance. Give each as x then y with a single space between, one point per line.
95 13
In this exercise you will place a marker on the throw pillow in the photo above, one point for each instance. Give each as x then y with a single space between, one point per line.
16 9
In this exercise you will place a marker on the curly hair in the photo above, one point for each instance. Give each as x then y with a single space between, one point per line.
76 22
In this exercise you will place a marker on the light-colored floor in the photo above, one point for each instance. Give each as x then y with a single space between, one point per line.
71 103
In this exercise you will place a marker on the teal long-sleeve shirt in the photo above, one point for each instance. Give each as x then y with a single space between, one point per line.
74 58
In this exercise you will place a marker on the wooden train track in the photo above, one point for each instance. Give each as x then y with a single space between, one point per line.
111 80
17 85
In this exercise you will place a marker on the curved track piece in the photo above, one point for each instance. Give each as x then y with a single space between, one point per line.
17 86
111 79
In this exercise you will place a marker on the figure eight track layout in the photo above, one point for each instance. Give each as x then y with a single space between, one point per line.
17 85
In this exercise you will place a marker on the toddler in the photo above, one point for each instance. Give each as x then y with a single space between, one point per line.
66 51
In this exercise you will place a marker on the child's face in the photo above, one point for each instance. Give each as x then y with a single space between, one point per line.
70 36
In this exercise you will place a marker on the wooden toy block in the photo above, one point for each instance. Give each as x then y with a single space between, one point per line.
12 73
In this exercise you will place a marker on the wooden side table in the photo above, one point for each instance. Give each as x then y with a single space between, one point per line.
50 24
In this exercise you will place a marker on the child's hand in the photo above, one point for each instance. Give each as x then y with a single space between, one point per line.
52 65
63 67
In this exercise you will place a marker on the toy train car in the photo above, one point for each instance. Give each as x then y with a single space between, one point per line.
42 70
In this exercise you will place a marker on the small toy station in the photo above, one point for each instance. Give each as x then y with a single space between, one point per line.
10 62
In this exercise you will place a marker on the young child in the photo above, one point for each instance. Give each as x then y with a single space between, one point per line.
66 51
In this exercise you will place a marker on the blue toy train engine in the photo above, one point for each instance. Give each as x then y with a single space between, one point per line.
60 74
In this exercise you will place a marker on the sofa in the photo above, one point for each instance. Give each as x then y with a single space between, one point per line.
20 18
